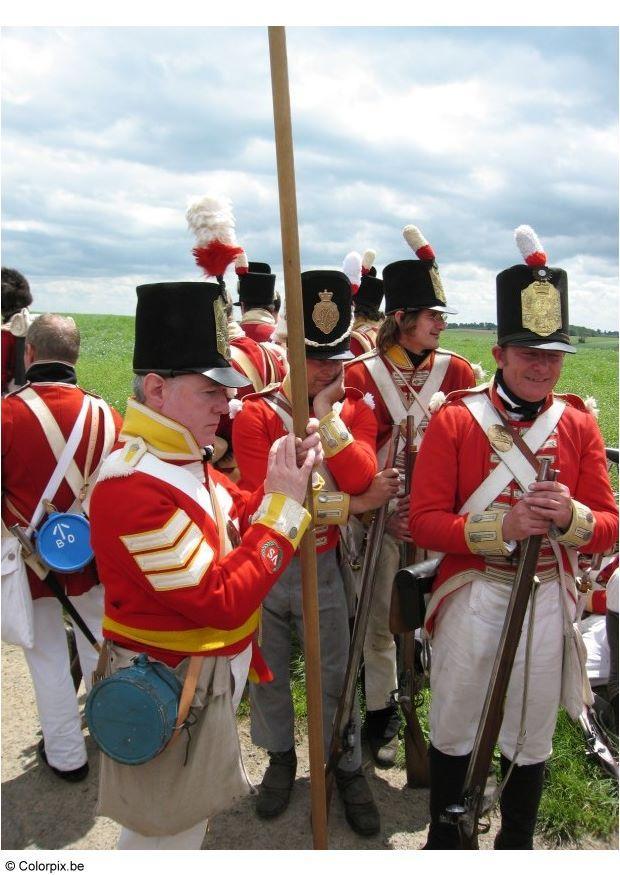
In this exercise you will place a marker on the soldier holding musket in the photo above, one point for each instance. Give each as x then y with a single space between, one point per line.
475 499
400 378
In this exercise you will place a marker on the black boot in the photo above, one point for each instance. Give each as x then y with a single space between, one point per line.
381 730
275 789
360 809
519 806
447 777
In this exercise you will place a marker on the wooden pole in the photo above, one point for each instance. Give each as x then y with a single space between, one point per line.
297 361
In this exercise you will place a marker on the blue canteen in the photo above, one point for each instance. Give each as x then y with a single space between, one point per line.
63 542
131 715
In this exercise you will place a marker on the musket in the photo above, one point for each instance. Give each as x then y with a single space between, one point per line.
467 814
343 731
416 751
598 745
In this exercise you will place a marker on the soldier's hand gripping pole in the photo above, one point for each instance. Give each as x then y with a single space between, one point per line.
342 732
469 811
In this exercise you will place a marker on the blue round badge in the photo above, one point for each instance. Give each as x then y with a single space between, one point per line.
63 542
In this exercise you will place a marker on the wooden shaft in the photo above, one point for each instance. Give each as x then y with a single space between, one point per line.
297 361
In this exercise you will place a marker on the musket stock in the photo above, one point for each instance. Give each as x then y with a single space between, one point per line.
343 730
416 751
468 812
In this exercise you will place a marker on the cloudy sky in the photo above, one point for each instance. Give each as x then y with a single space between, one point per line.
110 132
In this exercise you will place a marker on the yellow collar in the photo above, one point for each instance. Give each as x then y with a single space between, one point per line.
398 355
166 439
286 388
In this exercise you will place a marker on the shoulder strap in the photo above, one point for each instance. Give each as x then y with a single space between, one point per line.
54 435
378 370
248 367
513 464
66 457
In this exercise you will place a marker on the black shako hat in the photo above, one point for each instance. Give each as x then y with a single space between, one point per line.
532 300
328 315
370 292
257 286
414 285
181 328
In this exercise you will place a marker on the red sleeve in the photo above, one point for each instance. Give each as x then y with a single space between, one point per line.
592 486
599 601
8 355
460 376
255 428
231 588
433 521
354 467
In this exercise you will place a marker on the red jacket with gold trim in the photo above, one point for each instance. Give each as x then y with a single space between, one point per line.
257 426
28 463
459 375
456 457
169 590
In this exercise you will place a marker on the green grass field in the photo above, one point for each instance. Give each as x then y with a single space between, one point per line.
578 800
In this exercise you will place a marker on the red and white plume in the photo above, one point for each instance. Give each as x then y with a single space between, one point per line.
368 259
418 242
212 222
352 266
530 246
241 263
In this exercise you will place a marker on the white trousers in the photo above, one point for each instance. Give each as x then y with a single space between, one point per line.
379 646
464 645
49 666
190 839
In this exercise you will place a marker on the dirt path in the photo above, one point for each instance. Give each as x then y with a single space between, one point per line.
41 812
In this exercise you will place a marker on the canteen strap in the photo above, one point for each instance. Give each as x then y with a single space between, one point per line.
187 694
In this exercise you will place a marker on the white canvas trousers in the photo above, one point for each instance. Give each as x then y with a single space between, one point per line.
464 645
379 646
49 666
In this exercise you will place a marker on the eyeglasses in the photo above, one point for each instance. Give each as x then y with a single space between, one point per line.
436 316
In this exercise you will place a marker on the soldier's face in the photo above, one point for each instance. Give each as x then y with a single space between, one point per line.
197 403
322 372
424 334
529 372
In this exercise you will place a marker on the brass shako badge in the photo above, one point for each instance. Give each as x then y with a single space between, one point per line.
325 313
221 328
541 309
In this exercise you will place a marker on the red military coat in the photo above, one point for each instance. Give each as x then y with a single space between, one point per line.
257 426
459 375
455 458
28 463
171 589
258 324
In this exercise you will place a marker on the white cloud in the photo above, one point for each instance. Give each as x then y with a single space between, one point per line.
108 134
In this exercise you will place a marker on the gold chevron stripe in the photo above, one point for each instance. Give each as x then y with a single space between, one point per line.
154 539
190 576
164 560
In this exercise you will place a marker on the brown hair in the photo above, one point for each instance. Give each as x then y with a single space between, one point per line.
389 333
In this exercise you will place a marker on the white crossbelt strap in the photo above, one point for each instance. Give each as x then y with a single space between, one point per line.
382 377
189 484
66 457
53 434
513 464
109 438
